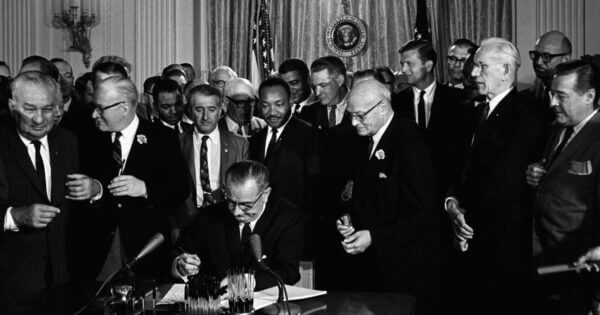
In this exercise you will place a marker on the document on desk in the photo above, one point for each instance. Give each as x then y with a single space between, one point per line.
171 294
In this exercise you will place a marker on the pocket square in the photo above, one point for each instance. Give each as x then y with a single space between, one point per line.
580 168
382 175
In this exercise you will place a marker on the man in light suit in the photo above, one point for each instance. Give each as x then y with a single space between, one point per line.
38 165
567 183
239 101
391 225
222 149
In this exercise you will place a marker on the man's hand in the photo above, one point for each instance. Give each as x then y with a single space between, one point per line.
462 231
344 225
357 242
590 260
35 215
188 264
127 185
535 172
347 192
81 187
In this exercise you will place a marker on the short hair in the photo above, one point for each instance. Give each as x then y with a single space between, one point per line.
503 49
149 83
587 76
424 50
242 171
174 69
373 73
37 78
55 60
123 86
2 63
32 59
331 63
465 43
110 67
116 59
294 65
232 73
166 86
206 90
275 81
82 81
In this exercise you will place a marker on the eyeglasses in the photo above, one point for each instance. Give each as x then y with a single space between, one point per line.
244 206
241 103
455 60
101 109
219 83
361 117
546 58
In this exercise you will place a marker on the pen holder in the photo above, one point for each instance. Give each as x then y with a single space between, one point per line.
240 285
202 296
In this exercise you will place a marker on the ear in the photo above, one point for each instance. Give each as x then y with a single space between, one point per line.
12 105
340 79
590 95
506 68
429 65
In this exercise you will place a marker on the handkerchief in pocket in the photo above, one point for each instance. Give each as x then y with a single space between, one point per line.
580 168
382 175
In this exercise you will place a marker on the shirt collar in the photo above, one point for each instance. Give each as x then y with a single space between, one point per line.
43 140
168 125
497 99
579 126
213 135
429 90
253 222
129 131
377 136
280 128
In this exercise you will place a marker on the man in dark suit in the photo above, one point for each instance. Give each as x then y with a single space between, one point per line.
143 175
567 187
208 151
487 204
219 239
391 224
295 73
169 105
36 161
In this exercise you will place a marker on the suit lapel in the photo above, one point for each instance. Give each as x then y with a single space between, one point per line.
24 161
232 231
287 131
187 148
265 220
58 171
226 155
590 130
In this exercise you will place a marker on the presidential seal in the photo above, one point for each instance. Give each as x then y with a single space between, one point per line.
346 36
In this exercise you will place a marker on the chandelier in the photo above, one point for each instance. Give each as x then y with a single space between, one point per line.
79 25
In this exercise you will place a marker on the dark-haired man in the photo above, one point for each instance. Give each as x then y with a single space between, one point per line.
219 239
458 53
168 102
567 188
295 73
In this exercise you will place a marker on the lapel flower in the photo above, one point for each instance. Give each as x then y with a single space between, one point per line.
380 154
141 139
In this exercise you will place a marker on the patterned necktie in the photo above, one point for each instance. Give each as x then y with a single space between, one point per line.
116 152
271 143
421 111
332 117
204 176
39 163
566 136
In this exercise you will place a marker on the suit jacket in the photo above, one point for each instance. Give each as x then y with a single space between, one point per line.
156 159
393 198
568 198
234 148
537 99
294 161
30 253
215 238
256 125
493 191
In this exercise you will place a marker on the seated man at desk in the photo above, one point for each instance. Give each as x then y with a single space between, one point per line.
218 239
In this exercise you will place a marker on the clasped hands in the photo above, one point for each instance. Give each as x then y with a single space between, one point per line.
82 187
355 242
535 172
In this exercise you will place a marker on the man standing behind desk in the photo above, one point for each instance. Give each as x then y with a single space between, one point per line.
392 214
36 160
568 186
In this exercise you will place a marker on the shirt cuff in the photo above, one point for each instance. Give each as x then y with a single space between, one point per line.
99 195
9 222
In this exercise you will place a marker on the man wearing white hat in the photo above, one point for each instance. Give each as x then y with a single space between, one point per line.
239 100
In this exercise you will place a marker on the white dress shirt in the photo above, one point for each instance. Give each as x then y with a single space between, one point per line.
213 156
377 137
576 130
174 127
270 134
340 110
428 98
253 222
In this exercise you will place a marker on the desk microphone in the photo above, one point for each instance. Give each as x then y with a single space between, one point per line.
152 244
256 247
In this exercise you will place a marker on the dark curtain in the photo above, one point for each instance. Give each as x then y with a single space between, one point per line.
298 28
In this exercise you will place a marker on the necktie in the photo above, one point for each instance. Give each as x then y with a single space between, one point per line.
482 112
332 115
240 130
204 176
421 111
245 242
116 153
39 163
370 147
567 134
272 142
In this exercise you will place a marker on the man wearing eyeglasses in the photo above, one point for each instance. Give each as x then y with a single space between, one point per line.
239 102
220 76
457 55
209 150
550 50
218 240
391 225
143 178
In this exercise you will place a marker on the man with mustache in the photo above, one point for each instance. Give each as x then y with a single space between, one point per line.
550 50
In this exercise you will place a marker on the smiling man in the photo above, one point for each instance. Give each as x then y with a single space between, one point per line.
295 73
219 239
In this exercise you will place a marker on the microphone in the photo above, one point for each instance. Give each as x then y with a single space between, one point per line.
256 247
152 244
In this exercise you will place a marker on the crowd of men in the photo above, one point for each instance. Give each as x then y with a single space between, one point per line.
453 192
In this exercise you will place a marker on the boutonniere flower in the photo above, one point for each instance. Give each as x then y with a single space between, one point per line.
380 154
141 139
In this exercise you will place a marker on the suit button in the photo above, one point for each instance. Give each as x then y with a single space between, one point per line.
119 205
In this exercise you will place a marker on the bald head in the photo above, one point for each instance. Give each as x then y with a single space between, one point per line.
369 105
551 49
